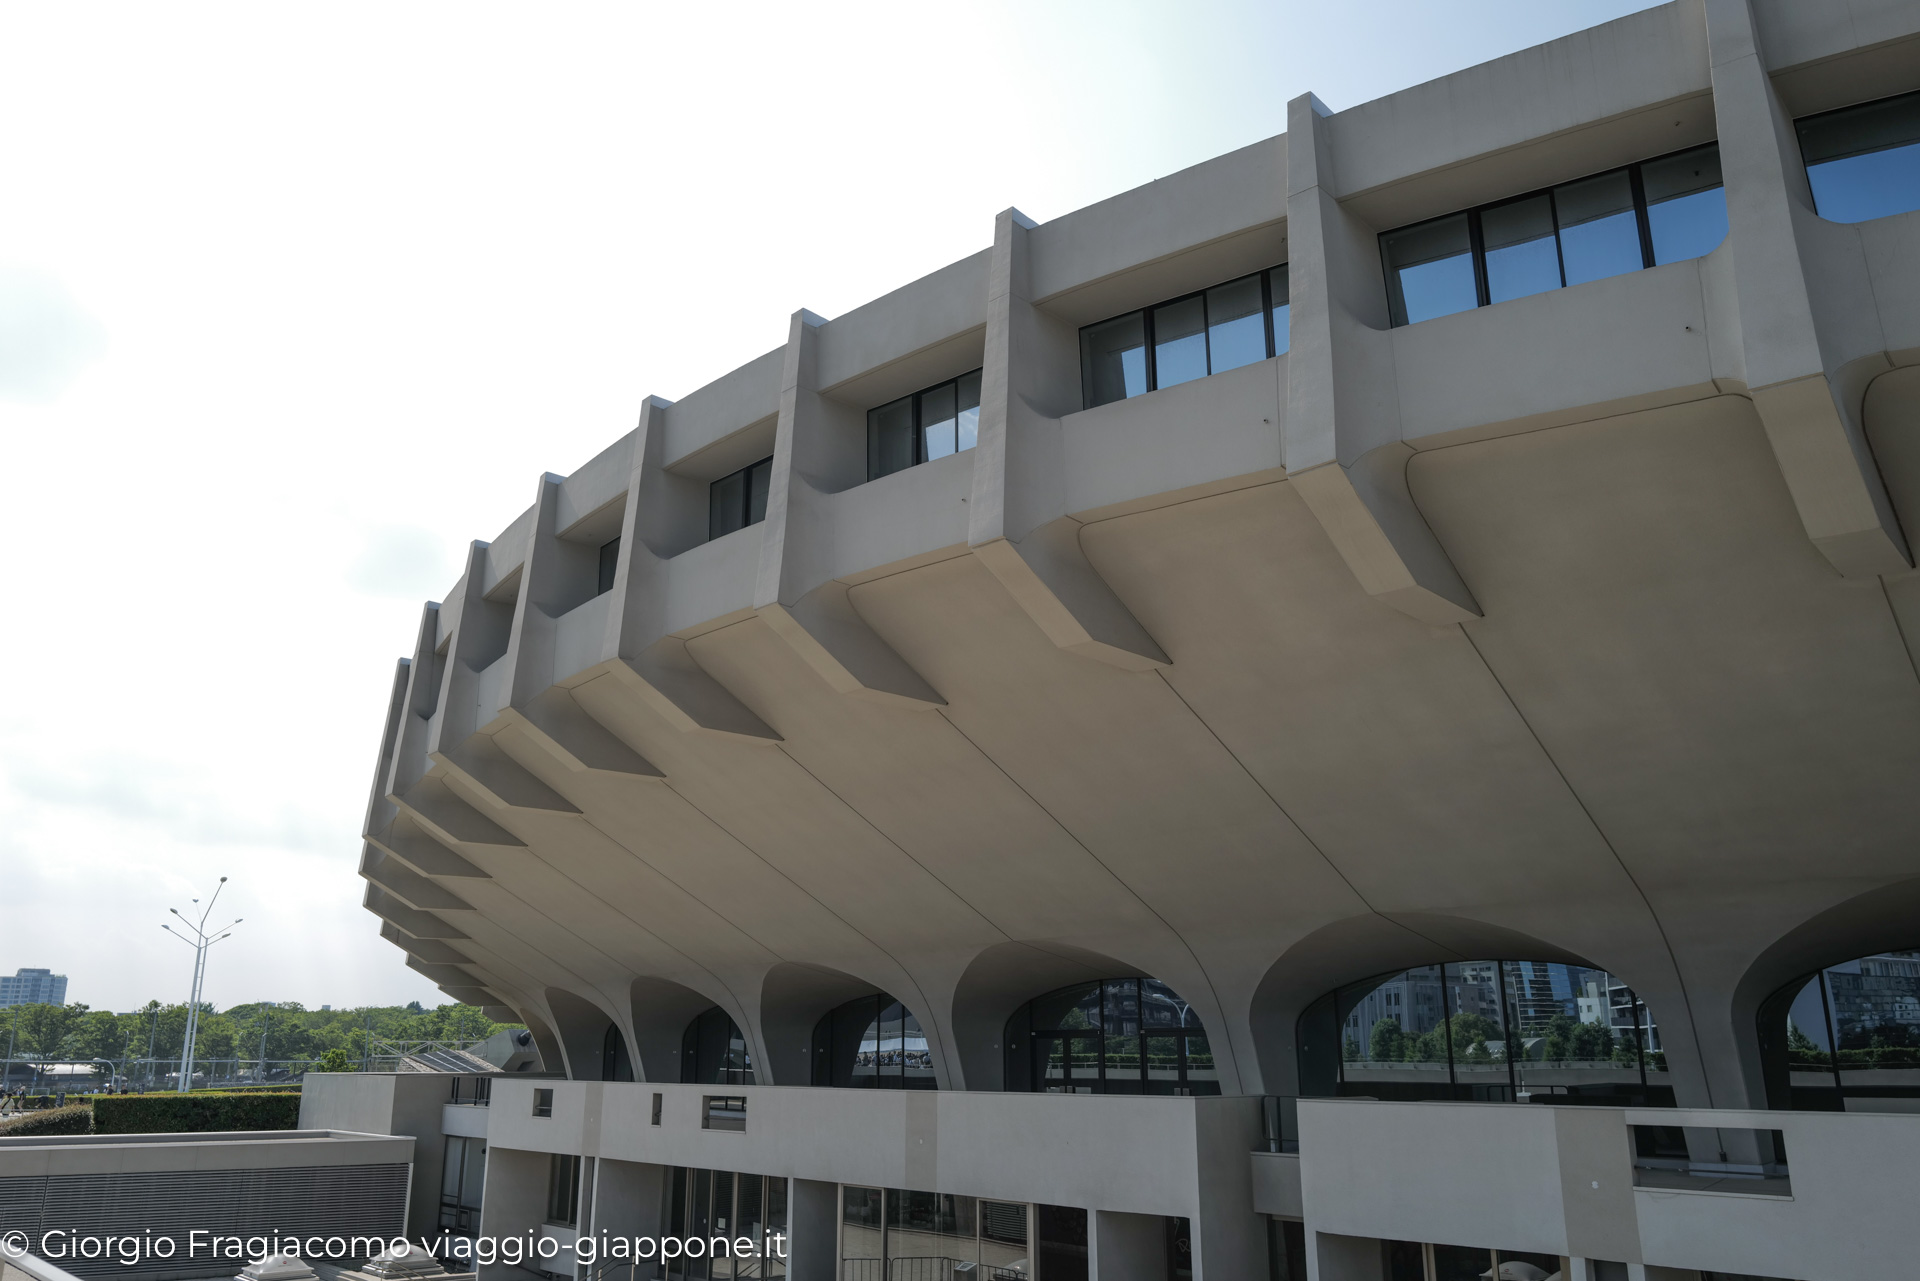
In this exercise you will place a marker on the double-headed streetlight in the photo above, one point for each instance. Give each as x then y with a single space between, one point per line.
199 942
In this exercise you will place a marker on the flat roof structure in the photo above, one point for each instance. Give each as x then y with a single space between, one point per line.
1456 552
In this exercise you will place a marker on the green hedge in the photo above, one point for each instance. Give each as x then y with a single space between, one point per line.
76 1118
194 1113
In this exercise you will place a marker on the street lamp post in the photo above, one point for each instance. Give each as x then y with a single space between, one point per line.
199 942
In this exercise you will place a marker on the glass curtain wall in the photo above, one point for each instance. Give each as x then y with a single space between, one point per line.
615 1063
930 424
888 1234
1118 1036
1863 162
714 1052
872 1042
1853 1031
1209 332
463 1180
1654 212
1490 1031
710 1203
738 499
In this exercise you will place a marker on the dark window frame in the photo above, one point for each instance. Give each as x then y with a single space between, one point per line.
543 1102
1265 275
919 429
1026 1044
609 566
745 514
1477 242
563 1189
871 1006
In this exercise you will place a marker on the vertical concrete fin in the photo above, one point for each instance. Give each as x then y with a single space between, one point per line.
1798 324
380 810
1343 449
425 677
480 637
646 661
545 594
1017 519
800 604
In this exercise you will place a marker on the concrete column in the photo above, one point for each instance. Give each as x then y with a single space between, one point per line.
652 666
819 451
1017 517
813 1226
514 1203
1129 1247
1342 446
1229 1238
1808 336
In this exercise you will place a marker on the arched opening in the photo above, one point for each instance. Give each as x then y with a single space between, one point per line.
1113 1036
1846 1038
615 1063
583 1029
661 1010
714 1052
1496 1031
872 1042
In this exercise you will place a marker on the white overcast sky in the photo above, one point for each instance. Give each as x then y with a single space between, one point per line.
295 300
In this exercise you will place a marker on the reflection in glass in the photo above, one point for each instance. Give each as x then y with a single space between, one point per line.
1658 211
1430 270
1853 1031
1180 342
1864 162
1686 205
714 1051
1113 359
872 1042
738 500
967 425
1522 255
1599 231
862 1230
1492 1031
1236 325
1123 1036
1280 288
930 424
937 414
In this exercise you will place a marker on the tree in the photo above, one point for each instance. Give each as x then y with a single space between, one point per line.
1801 1048
1387 1043
335 1060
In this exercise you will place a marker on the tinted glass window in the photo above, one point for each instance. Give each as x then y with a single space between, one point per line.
1599 228
872 1042
1279 285
740 499
890 438
1113 359
940 420
967 424
1180 342
1658 211
1864 162
1430 270
1236 325
1523 257
1686 205
609 563
938 412
1121 1036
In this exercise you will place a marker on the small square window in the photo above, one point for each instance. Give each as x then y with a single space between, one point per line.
543 1102
724 1112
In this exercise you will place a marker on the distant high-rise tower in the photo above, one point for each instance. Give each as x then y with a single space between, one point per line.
33 987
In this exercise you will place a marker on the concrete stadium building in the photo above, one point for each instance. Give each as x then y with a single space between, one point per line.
1348 713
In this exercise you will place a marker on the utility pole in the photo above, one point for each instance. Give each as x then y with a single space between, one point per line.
266 1021
153 1030
200 942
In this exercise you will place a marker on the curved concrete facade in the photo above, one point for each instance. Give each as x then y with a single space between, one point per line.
1580 627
